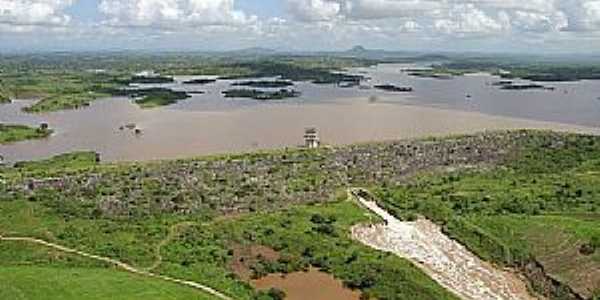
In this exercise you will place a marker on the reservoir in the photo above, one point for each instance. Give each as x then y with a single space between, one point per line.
209 123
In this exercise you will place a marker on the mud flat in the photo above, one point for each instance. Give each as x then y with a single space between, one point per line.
445 260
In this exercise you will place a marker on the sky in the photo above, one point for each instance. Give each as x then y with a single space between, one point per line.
528 26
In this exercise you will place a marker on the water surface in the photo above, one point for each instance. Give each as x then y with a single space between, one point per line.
313 285
208 123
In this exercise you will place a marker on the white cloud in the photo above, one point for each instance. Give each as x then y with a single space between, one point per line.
376 9
315 10
459 16
527 21
23 14
582 15
468 19
172 13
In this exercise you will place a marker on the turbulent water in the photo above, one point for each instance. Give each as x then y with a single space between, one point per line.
445 260
209 123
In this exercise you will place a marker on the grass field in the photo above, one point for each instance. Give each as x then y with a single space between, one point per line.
63 102
29 271
202 250
32 282
68 161
16 133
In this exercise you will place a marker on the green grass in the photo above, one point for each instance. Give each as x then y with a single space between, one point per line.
63 102
526 69
202 252
32 282
16 133
440 72
29 271
261 95
160 98
59 89
4 98
68 161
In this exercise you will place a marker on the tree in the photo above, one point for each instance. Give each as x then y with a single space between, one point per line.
276 294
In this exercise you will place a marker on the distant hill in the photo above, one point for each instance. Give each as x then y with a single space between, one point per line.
254 51
387 55
358 49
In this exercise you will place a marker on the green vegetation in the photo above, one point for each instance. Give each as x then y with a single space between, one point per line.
148 80
155 97
543 206
201 251
62 102
75 160
26 282
536 202
265 84
555 73
200 81
260 94
304 236
16 133
294 71
541 71
4 99
56 89
29 271
393 88
438 72
74 81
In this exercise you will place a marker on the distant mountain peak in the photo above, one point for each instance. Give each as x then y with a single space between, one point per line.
358 48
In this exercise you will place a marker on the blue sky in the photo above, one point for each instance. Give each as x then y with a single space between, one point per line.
440 25
264 8
88 9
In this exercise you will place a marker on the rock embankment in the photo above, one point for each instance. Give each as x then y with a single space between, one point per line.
262 181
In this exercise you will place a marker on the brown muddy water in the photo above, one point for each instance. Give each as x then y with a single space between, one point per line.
313 285
209 123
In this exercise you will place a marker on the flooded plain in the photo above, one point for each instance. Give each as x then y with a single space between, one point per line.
208 123
313 285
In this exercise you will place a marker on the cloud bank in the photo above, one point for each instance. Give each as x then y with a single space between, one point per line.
458 16
302 24
19 13
172 13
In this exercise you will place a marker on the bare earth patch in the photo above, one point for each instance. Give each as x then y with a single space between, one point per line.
245 256
445 260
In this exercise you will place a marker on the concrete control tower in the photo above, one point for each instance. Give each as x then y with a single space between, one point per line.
311 138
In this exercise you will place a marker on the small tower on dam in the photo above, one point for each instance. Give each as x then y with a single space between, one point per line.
311 138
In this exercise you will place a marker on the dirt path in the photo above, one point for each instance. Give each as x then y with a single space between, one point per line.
174 232
445 260
118 264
